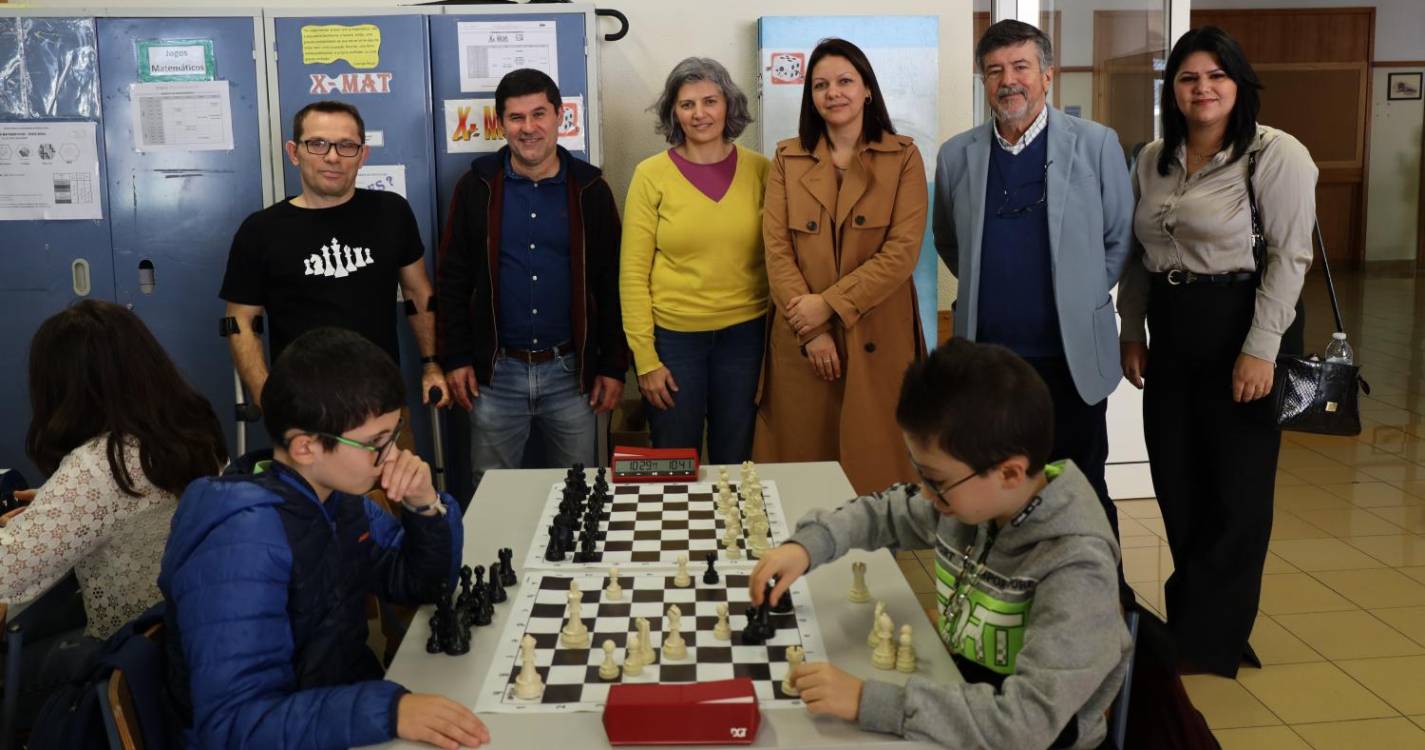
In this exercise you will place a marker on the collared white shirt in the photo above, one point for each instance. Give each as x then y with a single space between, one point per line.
1034 130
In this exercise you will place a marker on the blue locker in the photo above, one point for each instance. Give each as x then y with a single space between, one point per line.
173 213
55 82
394 100
573 80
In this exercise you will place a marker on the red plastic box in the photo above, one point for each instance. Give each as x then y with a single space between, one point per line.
699 713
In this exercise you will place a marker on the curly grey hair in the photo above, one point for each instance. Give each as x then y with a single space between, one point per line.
694 69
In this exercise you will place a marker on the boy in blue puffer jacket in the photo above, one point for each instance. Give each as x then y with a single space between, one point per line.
266 574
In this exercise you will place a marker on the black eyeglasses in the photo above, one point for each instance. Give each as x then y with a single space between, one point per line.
1005 212
381 449
935 486
321 147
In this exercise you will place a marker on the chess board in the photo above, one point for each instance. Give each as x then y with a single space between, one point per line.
649 525
571 676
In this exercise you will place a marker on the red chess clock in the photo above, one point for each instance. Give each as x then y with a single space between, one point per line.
699 713
655 464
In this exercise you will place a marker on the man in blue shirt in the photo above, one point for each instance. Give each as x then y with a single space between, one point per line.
1033 214
530 327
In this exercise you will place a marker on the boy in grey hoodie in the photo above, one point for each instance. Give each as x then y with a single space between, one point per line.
1025 566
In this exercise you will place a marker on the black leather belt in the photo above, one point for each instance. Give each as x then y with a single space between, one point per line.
535 356
1180 277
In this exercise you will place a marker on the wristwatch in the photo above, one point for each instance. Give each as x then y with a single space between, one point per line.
436 508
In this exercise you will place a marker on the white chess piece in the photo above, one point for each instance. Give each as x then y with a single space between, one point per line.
338 267
528 686
730 546
350 265
722 631
327 268
307 266
632 661
574 633
682 580
646 654
872 640
360 258
674 647
368 256
608 670
884 657
613 592
795 656
858 593
905 655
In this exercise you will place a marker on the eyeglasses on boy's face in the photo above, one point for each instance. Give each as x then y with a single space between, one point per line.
940 488
321 147
381 449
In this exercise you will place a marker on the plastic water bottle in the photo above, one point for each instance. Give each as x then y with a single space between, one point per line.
1338 350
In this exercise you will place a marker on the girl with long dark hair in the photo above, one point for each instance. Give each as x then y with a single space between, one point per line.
120 434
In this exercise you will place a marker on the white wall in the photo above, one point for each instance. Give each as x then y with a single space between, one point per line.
1394 199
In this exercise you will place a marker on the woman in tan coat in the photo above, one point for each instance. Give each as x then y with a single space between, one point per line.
842 224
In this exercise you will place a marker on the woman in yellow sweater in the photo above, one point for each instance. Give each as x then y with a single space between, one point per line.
692 279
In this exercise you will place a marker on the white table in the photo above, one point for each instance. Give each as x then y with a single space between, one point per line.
503 514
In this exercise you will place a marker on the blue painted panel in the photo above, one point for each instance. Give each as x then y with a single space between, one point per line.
36 280
445 84
396 103
178 210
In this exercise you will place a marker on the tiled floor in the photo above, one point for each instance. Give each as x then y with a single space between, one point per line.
1341 627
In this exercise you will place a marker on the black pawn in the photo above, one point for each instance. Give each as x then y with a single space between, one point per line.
496 587
710 576
479 571
554 552
783 605
507 568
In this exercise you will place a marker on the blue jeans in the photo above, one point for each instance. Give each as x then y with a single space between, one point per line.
521 394
716 373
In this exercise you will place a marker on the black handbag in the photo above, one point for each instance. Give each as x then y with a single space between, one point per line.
1309 394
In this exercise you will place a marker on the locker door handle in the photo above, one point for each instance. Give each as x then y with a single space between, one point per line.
146 278
79 273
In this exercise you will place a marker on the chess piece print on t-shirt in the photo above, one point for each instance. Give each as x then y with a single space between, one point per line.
337 260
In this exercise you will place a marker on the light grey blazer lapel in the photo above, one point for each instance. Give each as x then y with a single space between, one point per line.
1062 136
977 160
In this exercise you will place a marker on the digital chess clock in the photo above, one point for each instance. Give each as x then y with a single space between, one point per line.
655 464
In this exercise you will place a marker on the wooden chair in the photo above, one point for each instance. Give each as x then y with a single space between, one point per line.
116 702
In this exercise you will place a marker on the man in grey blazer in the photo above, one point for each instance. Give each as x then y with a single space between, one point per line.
1033 214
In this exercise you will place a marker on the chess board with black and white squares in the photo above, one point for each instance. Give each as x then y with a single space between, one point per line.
571 676
652 524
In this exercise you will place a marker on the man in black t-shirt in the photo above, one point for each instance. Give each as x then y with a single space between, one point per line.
331 256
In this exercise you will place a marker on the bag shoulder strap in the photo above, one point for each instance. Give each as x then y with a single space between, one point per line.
1259 242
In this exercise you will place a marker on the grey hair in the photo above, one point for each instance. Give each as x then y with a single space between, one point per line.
1008 33
691 70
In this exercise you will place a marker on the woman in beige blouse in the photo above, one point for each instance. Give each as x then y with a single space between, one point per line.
120 434
1217 326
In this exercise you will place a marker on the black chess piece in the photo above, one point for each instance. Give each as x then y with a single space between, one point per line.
783 605
555 551
507 568
495 590
764 615
482 611
479 571
710 576
754 634
586 547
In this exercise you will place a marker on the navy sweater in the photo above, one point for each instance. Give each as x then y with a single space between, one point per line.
1017 308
